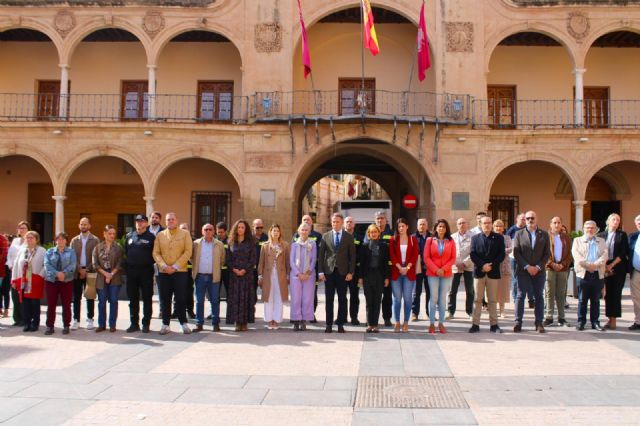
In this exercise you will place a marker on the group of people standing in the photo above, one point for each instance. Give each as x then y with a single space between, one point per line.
394 268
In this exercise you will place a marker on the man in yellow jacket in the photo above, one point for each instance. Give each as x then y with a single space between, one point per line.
172 250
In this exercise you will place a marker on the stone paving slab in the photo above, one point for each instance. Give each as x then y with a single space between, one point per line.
285 382
619 416
49 412
310 398
70 391
341 383
223 396
10 407
135 379
209 381
11 388
134 392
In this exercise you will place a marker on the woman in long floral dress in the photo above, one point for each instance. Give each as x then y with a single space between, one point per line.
241 261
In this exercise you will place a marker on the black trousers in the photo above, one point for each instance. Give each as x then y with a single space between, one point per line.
171 285
613 296
589 291
387 303
335 283
354 298
224 277
373 286
421 282
17 307
31 312
5 289
189 295
468 288
78 288
140 285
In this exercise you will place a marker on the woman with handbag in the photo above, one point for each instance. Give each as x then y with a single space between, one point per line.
59 266
107 262
28 279
273 276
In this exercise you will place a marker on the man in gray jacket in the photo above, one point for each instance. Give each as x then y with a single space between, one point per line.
83 244
336 266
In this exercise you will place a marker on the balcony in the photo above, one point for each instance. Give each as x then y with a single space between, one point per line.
555 114
533 3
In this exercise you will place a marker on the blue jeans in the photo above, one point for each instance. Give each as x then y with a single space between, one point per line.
402 289
514 283
439 288
108 293
205 285
534 286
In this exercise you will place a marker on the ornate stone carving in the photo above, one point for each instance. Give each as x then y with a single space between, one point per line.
265 161
459 36
153 22
268 37
578 25
64 22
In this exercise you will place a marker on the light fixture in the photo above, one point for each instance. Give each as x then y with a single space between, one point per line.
266 135
148 133
461 139
57 132
583 139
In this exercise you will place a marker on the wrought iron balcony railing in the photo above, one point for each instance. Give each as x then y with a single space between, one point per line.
563 113
348 104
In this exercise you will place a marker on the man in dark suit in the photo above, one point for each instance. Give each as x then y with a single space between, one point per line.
487 253
531 251
336 267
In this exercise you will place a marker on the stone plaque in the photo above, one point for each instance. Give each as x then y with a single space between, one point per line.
64 22
267 198
153 22
578 25
459 36
268 37
459 201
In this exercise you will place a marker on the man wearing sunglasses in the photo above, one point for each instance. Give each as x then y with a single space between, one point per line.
261 238
531 251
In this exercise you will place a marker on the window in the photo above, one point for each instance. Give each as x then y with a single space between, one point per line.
210 207
501 106
48 99
505 208
596 107
353 99
215 100
126 223
135 100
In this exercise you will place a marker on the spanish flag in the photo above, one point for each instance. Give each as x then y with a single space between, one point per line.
370 38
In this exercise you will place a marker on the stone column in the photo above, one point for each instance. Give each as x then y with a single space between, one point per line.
579 204
64 91
149 200
59 215
579 97
152 91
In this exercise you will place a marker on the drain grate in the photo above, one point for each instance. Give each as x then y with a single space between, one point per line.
409 392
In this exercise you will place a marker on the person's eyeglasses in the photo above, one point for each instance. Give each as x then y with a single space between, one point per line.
530 218
259 227
208 229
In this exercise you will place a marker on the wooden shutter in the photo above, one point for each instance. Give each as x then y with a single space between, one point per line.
501 106
48 99
596 107
215 101
353 100
135 100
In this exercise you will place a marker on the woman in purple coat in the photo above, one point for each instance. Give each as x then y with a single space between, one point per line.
303 278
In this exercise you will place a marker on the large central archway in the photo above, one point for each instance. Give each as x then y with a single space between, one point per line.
395 170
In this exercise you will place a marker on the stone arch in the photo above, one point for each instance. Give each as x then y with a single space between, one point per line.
168 34
186 154
77 35
577 186
604 30
39 157
538 27
32 24
111 151
614 178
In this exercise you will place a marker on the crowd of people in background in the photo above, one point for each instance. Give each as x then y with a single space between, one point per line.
394 267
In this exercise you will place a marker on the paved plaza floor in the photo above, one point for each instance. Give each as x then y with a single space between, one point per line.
278 377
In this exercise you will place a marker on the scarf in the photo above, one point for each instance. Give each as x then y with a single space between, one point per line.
307 246
27 273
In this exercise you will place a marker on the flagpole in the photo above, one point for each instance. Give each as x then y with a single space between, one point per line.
362 41
413 67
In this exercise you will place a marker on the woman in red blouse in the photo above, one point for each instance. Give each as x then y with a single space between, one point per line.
403 251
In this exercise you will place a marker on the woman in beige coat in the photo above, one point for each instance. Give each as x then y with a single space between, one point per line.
273 276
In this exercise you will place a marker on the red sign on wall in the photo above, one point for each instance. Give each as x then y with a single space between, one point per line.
410 201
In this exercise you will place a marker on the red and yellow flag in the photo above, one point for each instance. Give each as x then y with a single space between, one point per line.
370 37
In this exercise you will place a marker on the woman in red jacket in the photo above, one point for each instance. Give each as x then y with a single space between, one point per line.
439 256
403 251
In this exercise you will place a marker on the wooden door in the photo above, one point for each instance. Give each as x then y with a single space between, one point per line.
501 106
353 99
596 107
215 101
505 208
48 99
135 100
211 207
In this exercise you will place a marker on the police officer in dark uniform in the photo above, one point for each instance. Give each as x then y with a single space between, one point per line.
138 249
221 235
385 236
354 289
316 237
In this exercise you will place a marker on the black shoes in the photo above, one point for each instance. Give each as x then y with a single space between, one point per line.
517 328
532 304
355 322
474 329
328 329
191 315
563 323
133 328
634 327
216 327
314 320
540 328
495 329
547 322
145 328
296 326
388 323
48 331
596 326
65 330
340 329
580 327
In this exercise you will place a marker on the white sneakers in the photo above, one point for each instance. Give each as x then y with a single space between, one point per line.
74 325
186 329
164 329
90 325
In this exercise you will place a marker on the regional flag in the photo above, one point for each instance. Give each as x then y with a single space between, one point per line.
306 56
370 37
424 60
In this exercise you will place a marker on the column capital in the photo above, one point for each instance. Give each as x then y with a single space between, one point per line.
59 197
64 66
152 66
579 203
579 70
148 198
